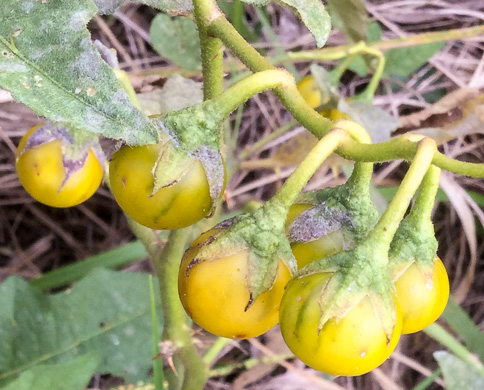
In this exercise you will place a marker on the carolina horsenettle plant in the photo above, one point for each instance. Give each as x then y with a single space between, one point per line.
263 257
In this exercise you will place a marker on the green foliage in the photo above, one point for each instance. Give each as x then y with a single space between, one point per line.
460 322
402 61
107 314
177 39
312 13
457 374
48 62
170 6
375 120
351 17
73 375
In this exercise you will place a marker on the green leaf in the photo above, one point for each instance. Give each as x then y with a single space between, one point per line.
376 121
406 60
112 258
351 17
48 62
107 313
171 6
460 322
177 39
312 13
457 374
358 65
177 93
73 375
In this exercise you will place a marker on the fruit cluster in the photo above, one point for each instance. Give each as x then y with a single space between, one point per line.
343 283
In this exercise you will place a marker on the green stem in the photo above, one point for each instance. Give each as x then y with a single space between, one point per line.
337 52
404 147
215 349
240 92
249 363
289 191
445 338
167 263
212 54
288 94
368 94
424 203
382 235
291 98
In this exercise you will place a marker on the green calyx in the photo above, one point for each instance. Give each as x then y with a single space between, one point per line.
348 207
189 135
356 274
414 241
261 234
75 145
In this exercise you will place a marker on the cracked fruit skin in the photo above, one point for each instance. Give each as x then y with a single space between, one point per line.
422 301
42 174
174 207
352 345
309 251
215 294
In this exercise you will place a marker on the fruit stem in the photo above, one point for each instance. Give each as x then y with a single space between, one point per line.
288 193
382 234
422 209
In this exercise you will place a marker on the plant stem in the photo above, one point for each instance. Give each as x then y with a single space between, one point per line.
385 229
212 54
291 188
249 363
215 349
240 92
404 147
288 95
337 52
167 263
442 336
424 203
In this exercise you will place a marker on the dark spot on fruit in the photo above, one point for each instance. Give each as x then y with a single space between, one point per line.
240 336
102 325
123 181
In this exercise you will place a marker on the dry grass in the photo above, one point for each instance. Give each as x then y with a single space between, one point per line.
35 238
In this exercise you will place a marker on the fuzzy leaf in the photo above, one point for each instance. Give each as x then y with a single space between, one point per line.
177 93
72 375
458 375
377 122
312 13
170 6
48 62
177 39
107 313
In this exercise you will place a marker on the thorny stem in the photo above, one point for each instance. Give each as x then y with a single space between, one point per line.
212 54
382 234
176 329
217 25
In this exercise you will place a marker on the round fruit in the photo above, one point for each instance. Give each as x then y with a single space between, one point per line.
215 295
351 345
174 207
319 248
422 299
309 90
43 175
